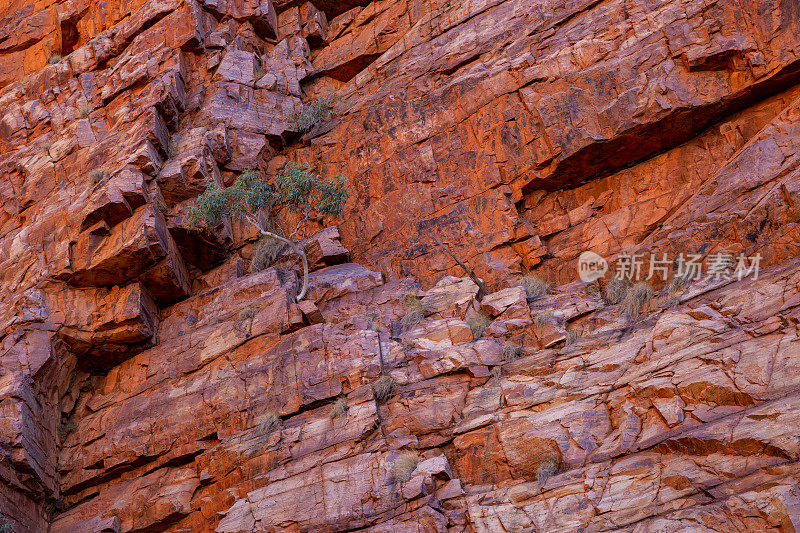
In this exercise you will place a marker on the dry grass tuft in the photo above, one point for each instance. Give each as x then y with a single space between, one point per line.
546 468
339 408
161 205
248 312
615 290
97 175
404 466
265 252
373 320
543 317
84 110
637 299
572 336
172 148
497 372
677 284
415 310
65 428
270 423
511 351
383 388
478 324
535 287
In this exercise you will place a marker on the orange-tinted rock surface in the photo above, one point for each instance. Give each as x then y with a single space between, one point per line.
151 380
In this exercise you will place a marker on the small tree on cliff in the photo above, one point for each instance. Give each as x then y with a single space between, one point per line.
298 189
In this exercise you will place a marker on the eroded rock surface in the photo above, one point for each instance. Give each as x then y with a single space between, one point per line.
152 380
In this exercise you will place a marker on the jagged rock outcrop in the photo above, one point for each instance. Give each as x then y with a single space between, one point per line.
152 380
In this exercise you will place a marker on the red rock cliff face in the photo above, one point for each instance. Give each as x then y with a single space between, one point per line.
149 381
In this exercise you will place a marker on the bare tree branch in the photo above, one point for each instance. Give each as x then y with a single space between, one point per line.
471 273
296 249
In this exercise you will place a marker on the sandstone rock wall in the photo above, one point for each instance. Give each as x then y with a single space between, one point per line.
150 382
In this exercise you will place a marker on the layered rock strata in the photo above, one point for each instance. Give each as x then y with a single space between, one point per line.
150 380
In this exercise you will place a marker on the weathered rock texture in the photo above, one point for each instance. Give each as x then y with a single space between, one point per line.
149 381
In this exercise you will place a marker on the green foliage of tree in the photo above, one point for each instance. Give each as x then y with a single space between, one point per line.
297 188
310 114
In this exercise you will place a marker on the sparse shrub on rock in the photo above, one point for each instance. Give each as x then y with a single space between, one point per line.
172 147
535 287
615 290
511 351
478 323
84 110
637 299
265 252
547 467
677 284
404 465
65 428
97 175
415 310
311 114
382 388
270 423
543 317
533 457
248 312
339 408
572 336
297 189
497 372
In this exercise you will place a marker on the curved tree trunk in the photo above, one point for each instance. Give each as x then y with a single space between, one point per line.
254 221
299 252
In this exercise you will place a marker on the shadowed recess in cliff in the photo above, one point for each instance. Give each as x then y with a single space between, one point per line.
634 146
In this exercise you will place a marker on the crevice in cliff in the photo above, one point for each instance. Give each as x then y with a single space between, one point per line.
18 48
347 71
69 35
177 461
462 63
631 148
162 525
108 474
